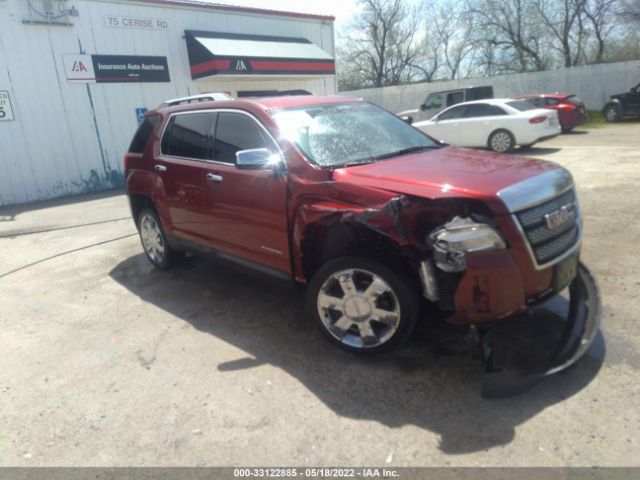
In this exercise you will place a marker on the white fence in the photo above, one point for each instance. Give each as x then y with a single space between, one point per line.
593 83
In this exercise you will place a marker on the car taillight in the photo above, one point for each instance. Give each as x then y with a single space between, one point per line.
126 162
565 106
538 119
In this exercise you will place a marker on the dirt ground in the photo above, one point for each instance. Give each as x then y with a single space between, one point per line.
108 362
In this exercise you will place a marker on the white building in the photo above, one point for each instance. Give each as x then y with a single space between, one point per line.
75 75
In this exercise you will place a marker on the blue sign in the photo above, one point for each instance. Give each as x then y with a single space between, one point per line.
140 114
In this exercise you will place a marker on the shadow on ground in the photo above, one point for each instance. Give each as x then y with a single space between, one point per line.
536 151
432 382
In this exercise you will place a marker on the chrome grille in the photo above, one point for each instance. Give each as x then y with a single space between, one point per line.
546 243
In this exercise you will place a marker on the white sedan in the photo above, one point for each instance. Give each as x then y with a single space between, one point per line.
499 124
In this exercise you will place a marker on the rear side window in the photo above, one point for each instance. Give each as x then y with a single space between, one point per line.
143 134
482 110
189 136
521 105
536 101
234 132
575 100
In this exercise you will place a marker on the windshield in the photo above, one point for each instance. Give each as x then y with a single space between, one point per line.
345 134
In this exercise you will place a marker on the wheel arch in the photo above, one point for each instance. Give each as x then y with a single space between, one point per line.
323 242
502 129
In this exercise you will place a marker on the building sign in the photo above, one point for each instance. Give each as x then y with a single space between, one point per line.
79 68
116 69
139 23
6 112
214 53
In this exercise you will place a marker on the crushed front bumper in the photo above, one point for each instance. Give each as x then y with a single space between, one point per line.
503 377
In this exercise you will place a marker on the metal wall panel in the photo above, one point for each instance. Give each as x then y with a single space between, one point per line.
71 138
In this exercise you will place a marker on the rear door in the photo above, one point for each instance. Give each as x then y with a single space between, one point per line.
248 208
185 148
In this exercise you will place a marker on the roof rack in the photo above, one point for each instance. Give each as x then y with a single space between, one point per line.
204 97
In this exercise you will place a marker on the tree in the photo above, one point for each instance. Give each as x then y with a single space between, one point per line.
600 15
511 31
451 29
380 49
564 21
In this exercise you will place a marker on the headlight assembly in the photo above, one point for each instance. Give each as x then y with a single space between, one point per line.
453 240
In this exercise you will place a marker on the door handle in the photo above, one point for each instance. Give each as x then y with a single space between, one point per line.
214 177
160 168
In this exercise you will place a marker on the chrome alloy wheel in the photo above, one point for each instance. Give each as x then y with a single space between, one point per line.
501 142
358 308
151 236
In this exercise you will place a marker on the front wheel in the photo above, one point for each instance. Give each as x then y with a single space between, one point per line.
612 113
362 306
501 141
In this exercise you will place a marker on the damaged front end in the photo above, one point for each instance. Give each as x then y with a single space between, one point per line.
523 340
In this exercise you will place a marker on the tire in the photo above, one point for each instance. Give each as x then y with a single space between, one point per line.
501 141
347 296
612 113
154 241
566 129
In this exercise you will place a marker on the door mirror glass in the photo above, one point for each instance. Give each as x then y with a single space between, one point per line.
256 159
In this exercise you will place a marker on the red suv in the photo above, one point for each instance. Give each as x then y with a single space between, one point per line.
374 216
571 110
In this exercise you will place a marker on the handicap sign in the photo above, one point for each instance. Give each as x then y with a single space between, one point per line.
140 114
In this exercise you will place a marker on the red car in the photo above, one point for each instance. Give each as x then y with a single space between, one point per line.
571 110
372 215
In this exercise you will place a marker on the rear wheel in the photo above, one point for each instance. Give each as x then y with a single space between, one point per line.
612 113
154 241
501 141
362 306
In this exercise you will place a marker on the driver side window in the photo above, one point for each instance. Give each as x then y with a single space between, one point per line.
235 132
452 114
433 101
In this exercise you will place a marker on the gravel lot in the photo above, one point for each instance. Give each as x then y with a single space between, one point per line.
108 362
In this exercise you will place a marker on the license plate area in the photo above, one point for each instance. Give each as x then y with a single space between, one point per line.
564 272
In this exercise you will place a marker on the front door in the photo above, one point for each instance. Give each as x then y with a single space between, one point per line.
248 208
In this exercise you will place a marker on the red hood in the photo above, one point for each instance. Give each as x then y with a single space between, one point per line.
448 172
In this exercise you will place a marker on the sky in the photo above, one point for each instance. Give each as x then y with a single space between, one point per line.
343 10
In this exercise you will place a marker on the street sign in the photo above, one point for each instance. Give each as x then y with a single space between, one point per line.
140 114
6 112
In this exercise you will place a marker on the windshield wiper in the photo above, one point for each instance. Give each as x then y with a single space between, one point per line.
369 160
405 151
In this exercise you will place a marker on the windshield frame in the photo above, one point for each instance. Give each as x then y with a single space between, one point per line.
435 144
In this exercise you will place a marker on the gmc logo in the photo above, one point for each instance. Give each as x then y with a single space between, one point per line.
559 217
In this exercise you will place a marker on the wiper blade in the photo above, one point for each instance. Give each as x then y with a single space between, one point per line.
369 160
405 151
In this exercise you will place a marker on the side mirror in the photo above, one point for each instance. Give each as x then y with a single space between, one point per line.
257 159
423 107
634 89
407 119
